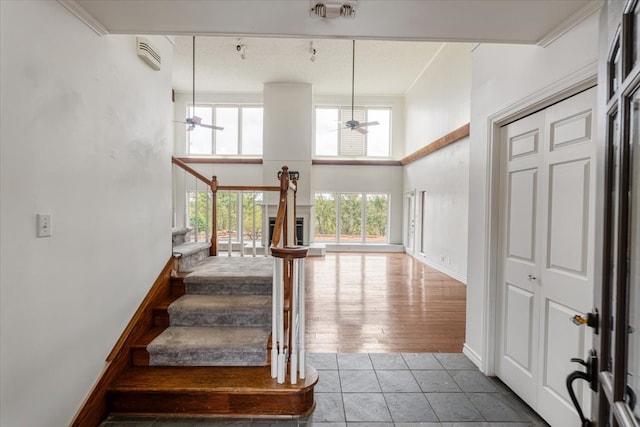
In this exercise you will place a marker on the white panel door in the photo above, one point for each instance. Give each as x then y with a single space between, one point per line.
519 307
566 274
547 250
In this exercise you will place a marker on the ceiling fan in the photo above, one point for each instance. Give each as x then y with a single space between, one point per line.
194 120
354 124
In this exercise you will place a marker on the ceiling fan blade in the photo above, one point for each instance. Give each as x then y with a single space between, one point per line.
362 130
211 126
369 124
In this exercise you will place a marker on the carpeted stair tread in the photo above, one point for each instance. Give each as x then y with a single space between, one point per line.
221 310
231 276
209 346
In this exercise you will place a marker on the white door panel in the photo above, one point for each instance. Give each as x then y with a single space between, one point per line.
547 247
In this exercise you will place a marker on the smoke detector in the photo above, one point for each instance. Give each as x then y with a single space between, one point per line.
332 9
148 53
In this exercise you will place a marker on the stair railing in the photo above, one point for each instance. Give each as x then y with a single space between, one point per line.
288 311
213 189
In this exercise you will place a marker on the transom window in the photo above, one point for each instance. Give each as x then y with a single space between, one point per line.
242 134
351 217
334 140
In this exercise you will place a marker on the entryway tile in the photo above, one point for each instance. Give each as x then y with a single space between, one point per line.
435 381
388 361
366 407
397 382
359 382
455 361
499 407
322 361
405 407
328 382
354 361
453 407
329 407
473 382
421 361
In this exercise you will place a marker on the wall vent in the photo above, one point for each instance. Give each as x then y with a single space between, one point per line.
148 53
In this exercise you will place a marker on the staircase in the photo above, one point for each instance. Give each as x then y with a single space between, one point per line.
207 352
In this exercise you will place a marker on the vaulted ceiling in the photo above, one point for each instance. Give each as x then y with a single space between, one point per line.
396 39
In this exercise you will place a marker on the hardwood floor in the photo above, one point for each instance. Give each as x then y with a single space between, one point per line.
381 302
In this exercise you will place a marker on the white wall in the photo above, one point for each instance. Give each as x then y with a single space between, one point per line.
441 221
438 103
85 137
507 77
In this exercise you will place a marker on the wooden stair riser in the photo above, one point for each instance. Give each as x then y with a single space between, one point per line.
208 403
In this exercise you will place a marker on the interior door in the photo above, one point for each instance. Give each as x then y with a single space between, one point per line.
547 247
410 223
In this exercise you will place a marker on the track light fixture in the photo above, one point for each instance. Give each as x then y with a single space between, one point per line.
242 49
312 51
334 8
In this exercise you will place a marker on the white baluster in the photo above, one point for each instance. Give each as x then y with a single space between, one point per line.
294 324
281 355
302 359
274 320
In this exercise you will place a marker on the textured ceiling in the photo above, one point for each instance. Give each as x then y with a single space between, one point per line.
277 34
381 67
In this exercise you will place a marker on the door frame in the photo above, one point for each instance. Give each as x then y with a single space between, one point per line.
582 79
405 229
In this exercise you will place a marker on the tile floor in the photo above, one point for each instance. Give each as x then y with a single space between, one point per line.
391 390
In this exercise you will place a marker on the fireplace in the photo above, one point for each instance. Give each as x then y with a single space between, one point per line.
299 229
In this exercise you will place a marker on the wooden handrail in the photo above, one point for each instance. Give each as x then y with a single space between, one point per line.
176 161
282 208
248 188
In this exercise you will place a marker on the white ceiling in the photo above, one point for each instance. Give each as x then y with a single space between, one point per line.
396 38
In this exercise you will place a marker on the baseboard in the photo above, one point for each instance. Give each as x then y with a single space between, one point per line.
363 247
442 269
94 408
472 355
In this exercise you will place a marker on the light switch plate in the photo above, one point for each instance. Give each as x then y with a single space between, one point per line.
44 225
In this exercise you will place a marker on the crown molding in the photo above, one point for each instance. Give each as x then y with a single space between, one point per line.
591 8
84 16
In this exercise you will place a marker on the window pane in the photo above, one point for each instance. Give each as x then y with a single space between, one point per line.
227 140
615 68
251 131
636 36
252 217
199 208
352 141
378 136
377 212
325 217
633 284
199 140
227 216
350 217
327 131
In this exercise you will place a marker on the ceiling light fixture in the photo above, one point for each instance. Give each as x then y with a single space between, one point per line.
334 9
242 49
312 51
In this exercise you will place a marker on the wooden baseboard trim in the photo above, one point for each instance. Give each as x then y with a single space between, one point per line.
450 138
94 409
349 162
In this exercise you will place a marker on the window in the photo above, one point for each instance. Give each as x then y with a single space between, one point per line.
242 134
235 211
334 140
351 217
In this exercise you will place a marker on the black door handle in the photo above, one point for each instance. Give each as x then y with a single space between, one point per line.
591 376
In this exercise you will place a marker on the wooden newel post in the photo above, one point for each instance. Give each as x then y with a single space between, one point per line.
284 187
213 250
